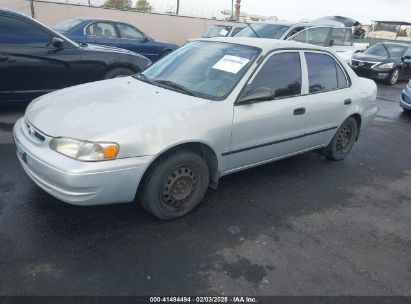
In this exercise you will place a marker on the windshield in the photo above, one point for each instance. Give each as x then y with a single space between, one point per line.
217 31
66 25
264 30
377 50
204 69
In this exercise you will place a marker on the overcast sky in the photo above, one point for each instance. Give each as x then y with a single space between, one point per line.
362 10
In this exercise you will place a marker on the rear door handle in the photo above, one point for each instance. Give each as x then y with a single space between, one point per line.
347 101
299 111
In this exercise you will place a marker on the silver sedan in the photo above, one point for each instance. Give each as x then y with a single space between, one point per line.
211 108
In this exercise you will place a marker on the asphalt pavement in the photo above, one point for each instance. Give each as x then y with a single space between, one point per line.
300 226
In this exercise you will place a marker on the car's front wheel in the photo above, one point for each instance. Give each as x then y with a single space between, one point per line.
393 77
175 185
343 140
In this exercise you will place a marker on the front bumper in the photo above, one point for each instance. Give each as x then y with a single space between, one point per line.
76 182
372 73
405 102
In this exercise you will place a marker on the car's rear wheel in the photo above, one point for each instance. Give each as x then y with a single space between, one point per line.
343 140
118 72
175 185
393 77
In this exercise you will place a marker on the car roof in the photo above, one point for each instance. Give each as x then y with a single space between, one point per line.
288 23
396 43
13 12
96 19
263 43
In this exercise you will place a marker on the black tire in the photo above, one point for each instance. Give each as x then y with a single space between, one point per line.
343 140
174 185
118 72
393 78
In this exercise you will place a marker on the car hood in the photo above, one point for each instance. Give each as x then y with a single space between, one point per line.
96 110
373 58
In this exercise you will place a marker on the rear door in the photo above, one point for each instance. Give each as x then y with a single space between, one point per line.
327 98
29 65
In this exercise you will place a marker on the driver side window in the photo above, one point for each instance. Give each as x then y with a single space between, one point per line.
19 32
281 73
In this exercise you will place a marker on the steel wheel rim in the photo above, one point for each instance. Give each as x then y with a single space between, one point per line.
344 139
178 188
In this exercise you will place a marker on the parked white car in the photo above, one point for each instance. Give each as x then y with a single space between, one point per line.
211 108
339 39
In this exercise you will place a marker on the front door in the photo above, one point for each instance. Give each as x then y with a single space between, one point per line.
271 129
29 65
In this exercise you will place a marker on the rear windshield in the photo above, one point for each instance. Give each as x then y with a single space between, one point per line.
263 30
66 25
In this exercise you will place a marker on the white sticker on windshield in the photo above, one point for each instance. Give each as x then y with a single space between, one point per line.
223 32
231 64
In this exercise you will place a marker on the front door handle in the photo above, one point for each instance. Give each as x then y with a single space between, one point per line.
4 58
347 101
299 111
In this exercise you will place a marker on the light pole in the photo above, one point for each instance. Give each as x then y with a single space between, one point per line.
178 7
232 10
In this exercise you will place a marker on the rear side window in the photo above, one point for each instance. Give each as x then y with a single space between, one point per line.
20 32
102 29
281 73
324 74
129 32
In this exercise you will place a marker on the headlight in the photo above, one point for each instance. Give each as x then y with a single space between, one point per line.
388 65
85 150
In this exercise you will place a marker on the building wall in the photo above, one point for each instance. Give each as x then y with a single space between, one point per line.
175 29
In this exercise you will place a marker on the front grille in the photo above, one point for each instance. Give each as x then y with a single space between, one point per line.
34 133
363 72
406 98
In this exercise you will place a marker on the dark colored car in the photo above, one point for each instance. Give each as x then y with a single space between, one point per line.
112 33
387 61
35 60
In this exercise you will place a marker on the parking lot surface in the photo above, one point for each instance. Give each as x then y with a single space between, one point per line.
300 226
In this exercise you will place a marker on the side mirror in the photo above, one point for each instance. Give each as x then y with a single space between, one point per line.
331 42
256 95
57 43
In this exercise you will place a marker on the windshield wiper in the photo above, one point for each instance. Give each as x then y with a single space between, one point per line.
249 25
82 43
166 83
172 85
